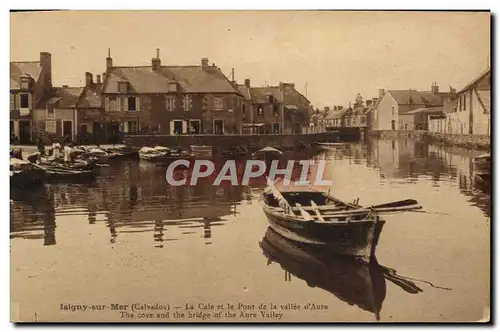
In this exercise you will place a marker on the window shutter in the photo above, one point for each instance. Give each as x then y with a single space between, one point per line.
137 103
139 126
12 101
30 101
18 100
124 100
171 127
119 104
184 127
125 127
106 103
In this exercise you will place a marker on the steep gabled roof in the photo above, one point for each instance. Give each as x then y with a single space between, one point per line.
260 95
144 79
415 97
19 69
482 81
91 96
62 97
245 91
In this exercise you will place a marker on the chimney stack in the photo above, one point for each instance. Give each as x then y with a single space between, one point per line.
46 64
204 63
156 62
453 91
109 60
247 82
98 79
381 93
435 88
368 103
88 79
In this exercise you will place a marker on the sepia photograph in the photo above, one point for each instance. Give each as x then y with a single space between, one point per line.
250 166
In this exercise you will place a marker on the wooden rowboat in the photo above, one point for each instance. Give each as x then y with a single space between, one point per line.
482 165
318 219
330 145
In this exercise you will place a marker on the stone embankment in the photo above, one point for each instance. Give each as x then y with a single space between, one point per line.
476 142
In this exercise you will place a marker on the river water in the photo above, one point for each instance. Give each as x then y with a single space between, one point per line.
130 238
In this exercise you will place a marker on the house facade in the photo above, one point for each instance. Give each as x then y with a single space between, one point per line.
172 100
395 104
56 114
30 82
273 109
473 112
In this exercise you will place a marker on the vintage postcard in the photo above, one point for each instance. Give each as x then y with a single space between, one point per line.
250 166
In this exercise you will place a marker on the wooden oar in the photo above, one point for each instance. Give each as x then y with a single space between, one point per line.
397 206
318 214
304 213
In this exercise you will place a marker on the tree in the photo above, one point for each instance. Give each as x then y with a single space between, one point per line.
359 101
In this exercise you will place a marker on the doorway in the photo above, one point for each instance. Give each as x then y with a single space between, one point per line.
113 131
24 132
68 129
218 127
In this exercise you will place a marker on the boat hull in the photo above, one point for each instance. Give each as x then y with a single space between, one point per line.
482 167
348 279
356 238
26 178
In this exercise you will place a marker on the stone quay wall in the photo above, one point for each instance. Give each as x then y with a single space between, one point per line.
477 142
225 142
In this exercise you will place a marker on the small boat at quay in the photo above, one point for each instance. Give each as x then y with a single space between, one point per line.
482 164
161 154
330 145
236 152
61 173
318 219
24 174
204 151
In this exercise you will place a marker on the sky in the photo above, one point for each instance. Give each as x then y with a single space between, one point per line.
330 56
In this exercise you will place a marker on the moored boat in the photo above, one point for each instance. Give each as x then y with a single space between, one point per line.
161 154
330 145
205 151
318 219
482 164
24 174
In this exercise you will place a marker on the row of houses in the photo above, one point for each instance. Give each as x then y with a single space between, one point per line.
153 99
449 112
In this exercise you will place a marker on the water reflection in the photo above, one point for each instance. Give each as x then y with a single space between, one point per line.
351 281
133 196
33 215
414 160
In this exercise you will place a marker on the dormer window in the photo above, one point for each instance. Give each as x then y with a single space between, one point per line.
25 83
173 87
271 99
122 86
